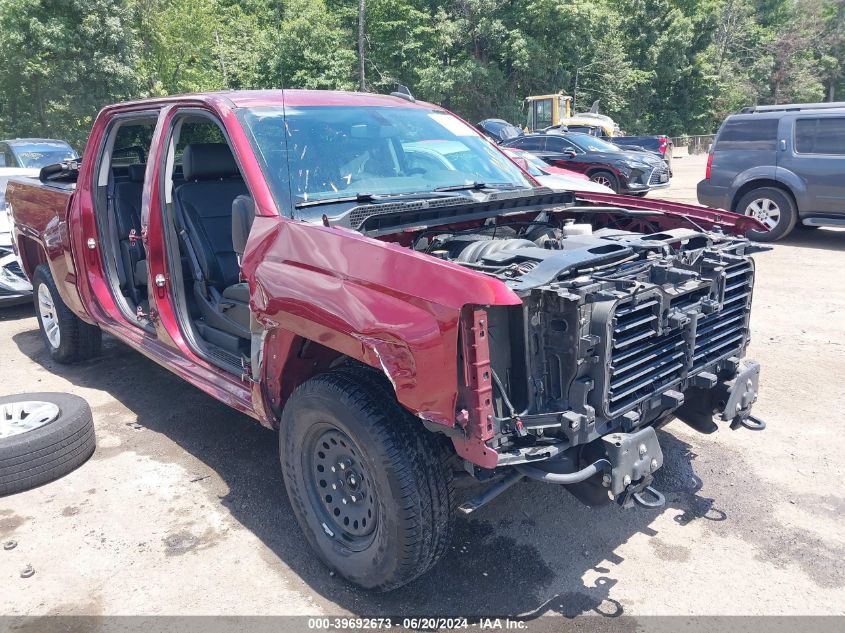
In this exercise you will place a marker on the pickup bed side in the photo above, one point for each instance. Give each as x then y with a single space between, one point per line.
40 215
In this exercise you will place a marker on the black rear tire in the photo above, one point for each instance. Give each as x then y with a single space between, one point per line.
607 179
76 340
37 456
759 199
397 517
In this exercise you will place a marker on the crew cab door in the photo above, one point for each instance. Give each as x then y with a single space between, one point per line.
812 146
561 152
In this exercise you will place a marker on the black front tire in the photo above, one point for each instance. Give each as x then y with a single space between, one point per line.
398 472
77 340
766 196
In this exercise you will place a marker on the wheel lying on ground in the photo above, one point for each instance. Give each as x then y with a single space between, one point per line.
69 338
370 487
772 207
43 436
607 179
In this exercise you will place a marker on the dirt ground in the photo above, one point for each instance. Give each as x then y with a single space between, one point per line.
182 510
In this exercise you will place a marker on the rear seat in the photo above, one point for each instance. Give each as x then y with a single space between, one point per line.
127 207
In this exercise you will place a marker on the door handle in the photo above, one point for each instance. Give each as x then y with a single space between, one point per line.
783 145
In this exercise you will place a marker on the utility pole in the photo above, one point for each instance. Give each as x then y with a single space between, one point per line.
361 7
220 57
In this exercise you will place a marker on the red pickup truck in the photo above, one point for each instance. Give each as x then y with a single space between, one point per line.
400 320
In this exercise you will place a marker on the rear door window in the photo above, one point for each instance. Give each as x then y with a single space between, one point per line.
825 135
561 145
749 134
530 143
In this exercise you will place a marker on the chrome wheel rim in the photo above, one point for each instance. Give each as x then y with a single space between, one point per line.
602 180
765 210
49 321
24 416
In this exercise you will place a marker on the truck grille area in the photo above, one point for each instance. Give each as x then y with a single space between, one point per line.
642 362
658 343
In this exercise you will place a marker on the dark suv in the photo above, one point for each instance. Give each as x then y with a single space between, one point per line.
624 171
781 164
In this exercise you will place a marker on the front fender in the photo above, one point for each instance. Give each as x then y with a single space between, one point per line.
382 304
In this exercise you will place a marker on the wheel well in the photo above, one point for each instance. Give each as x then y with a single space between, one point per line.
302 360
31 253
604 170
757 184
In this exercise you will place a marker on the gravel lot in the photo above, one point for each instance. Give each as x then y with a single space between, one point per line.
182 510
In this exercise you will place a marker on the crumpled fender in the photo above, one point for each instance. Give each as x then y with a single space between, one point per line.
382 304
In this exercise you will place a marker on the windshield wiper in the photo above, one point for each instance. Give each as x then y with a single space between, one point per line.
475 186
359 197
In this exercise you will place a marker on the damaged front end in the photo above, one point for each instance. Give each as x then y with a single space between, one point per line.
14 285
618 333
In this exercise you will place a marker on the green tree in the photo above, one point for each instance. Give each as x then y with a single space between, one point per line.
62 61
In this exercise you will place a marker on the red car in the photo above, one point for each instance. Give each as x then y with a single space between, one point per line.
397 322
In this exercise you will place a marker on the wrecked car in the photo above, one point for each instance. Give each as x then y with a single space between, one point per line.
14 286
398 322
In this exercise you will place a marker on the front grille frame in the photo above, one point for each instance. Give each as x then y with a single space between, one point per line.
659 338
654 178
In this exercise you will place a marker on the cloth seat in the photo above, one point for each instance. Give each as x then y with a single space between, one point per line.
204 215
127 212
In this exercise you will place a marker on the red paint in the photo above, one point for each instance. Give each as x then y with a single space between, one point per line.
682 214
319 292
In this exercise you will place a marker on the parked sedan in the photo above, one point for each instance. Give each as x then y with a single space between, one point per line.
32 154
623 171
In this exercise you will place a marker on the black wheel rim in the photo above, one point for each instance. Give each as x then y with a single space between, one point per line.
340 488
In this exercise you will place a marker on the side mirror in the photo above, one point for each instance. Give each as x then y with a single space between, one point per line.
570 153
66 171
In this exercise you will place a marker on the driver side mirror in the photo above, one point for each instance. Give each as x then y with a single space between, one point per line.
570 153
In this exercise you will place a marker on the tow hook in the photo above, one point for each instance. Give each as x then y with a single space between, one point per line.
658 500
753 423
740 396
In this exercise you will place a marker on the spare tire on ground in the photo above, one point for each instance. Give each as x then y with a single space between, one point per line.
43 436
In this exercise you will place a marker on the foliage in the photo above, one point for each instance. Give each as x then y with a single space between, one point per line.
61 61
670 66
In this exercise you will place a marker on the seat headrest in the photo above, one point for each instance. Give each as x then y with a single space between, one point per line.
136 172
208 161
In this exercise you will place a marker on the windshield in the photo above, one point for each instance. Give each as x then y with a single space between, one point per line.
592 144
328 152
534 165
38 155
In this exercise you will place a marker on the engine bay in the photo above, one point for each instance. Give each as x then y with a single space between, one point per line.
617 329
